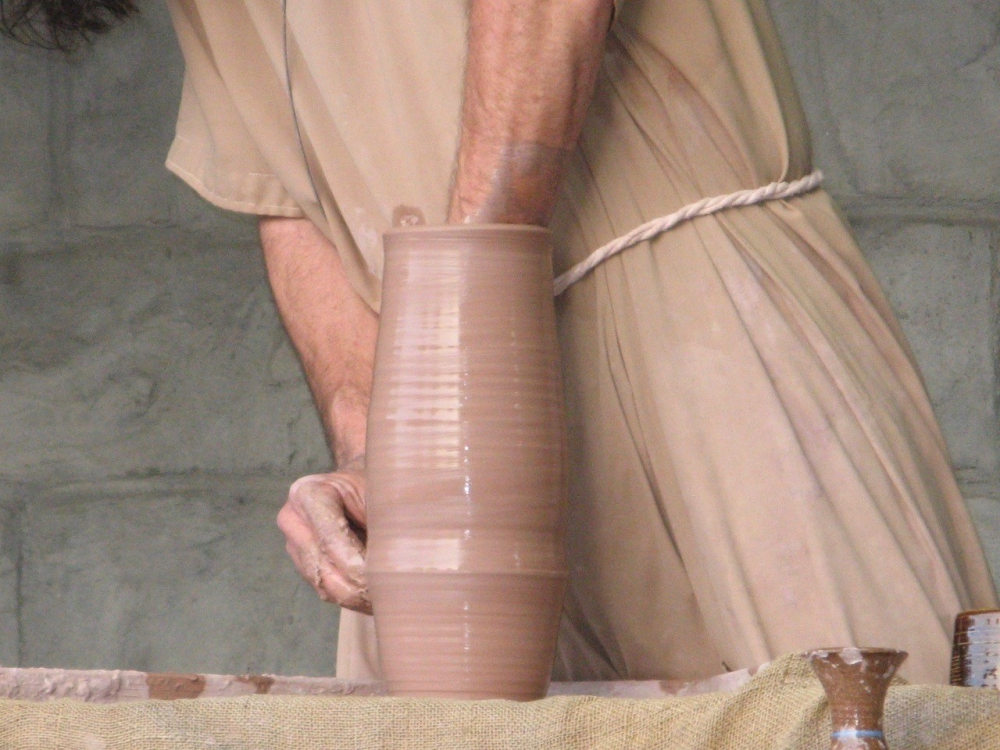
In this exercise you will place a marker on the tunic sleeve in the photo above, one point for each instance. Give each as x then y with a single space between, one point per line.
213 150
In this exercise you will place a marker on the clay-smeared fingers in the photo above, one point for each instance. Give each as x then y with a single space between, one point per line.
323 500
321 541
329 582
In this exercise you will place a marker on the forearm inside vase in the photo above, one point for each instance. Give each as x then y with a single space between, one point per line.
529 78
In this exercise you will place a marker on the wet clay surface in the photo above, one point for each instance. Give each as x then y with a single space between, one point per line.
467 464
856 681
975 655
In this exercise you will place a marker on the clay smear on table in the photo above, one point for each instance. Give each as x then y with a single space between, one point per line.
856 681
175 686
466 463
114 686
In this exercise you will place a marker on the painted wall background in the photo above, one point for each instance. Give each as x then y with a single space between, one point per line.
152 412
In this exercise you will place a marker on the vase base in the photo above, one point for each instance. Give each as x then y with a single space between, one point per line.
463 636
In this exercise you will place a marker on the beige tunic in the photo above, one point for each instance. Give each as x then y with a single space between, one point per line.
755 465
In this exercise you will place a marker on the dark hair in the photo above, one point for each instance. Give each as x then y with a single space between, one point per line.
61 24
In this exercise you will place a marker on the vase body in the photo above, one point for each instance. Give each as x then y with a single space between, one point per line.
975 654
466 464
856 681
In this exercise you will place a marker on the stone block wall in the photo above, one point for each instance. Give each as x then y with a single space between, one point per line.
152 412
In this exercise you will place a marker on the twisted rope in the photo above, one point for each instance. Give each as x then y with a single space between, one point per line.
704 207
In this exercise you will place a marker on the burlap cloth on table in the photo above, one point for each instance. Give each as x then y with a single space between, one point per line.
782 707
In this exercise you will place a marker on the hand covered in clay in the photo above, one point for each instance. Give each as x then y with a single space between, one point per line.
324 525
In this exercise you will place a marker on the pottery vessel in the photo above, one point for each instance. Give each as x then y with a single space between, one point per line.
856 681
975 653
466 464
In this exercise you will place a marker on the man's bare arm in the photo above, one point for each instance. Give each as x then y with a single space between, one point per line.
334 333
332 328
530 74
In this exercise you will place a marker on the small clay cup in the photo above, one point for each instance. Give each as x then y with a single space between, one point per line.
856 681
975 652
466 464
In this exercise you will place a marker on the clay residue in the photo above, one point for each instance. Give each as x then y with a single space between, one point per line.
728 682
43 684
261 683
851 656
408 216
175 686
521 189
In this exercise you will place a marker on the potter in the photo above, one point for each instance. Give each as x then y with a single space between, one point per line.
754 464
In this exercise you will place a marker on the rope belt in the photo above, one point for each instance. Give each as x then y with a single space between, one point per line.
706 206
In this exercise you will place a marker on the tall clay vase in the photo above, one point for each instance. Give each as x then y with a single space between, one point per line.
975 653
466 464
856 681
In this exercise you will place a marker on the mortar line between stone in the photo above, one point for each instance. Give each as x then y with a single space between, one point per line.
859 208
